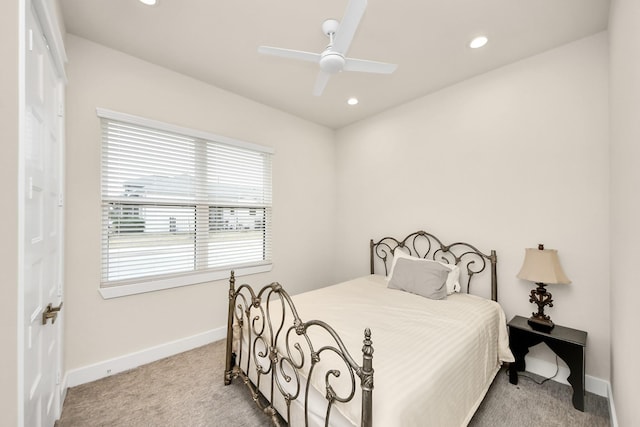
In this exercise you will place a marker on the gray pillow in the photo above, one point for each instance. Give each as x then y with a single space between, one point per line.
427 279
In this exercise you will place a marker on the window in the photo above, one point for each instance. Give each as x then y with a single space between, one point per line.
179 206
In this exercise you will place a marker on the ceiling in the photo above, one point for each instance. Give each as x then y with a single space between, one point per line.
216 42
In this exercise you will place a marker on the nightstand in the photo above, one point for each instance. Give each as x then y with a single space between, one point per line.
569 344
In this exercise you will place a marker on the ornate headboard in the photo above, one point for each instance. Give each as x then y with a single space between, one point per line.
424 245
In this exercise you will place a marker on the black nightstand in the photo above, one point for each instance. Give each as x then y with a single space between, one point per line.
569 344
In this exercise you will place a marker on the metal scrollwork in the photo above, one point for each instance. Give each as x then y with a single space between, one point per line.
427 246
282 353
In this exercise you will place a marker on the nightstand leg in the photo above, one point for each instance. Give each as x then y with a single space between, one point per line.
513 374
573 356
519 348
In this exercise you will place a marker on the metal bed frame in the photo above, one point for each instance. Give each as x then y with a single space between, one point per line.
274 344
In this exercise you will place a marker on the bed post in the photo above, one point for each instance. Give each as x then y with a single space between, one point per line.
371 254
228 368
367 380
494 276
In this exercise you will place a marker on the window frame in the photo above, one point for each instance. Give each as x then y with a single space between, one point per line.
169 281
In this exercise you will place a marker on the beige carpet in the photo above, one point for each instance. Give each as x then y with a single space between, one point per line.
187 390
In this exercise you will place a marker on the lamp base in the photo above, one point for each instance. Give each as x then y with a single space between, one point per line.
540 321
540 324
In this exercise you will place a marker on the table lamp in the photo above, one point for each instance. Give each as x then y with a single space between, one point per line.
542 267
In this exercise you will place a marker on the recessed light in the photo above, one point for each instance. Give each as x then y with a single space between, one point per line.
352 101
149 2
478 42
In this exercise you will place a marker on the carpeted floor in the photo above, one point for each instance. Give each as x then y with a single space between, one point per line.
529 405
187 390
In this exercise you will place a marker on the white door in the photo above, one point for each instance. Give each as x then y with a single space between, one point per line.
41 157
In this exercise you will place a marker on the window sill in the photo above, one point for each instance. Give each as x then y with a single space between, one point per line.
176 282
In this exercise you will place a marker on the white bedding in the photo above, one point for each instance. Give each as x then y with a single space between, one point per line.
434 360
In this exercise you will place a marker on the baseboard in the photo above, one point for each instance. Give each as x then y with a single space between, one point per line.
126 362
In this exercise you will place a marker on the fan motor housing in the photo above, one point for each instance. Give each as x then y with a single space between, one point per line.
331 62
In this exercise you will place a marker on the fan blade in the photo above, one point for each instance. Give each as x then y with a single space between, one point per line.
364 66
349 25
289 53
321 83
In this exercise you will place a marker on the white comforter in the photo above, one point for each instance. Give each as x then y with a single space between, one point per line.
433 360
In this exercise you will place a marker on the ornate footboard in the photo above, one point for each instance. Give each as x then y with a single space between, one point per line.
270 349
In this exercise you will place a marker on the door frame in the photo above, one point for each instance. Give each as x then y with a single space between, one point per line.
49 25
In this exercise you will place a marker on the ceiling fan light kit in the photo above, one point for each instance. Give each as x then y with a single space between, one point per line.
331 62
333 59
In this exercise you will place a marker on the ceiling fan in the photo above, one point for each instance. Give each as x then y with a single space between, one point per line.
333 59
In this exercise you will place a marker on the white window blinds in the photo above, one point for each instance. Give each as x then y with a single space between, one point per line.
179 202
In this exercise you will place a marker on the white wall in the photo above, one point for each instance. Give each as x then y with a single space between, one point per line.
509 159
9 78
625 207
304 200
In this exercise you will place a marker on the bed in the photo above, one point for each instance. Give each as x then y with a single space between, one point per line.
412 330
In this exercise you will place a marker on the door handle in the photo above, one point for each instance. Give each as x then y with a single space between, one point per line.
50 312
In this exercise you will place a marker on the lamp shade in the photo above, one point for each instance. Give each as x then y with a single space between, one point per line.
542 266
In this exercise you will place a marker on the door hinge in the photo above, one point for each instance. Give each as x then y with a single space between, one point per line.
60 200
30 40
30 188
58 377
60 110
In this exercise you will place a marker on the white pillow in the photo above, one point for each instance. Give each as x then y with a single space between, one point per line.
453 278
